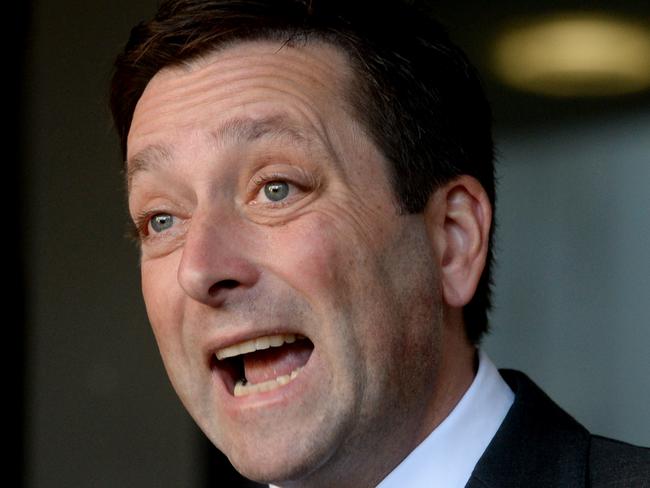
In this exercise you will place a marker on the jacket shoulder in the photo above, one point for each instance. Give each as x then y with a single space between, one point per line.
614 464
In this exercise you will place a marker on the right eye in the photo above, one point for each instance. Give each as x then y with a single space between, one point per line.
161 222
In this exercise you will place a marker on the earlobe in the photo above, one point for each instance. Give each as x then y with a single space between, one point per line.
459 216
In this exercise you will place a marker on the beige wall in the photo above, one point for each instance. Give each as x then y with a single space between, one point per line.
572 304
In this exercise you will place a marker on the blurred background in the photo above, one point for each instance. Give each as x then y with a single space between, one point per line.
89 400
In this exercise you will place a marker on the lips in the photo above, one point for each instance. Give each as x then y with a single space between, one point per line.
264 363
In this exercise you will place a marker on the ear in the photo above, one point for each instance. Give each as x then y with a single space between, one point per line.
458 219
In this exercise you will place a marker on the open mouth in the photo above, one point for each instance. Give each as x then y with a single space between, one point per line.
262 364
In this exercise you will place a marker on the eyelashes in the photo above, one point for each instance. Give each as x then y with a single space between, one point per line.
140 225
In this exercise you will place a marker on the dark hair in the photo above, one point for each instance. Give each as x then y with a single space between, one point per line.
418 96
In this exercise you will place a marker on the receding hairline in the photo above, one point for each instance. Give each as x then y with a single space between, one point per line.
284 39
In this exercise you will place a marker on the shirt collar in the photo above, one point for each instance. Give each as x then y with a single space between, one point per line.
447 457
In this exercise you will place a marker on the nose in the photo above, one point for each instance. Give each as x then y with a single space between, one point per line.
215 265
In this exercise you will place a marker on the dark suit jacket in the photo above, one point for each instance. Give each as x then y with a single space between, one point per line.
540 445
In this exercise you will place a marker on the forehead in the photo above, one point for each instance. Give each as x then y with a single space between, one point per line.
305 84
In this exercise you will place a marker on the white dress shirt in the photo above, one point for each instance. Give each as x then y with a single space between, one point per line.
446 458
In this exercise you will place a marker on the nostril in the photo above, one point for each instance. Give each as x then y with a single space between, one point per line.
223 285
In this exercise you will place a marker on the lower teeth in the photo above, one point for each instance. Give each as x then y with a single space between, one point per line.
242 388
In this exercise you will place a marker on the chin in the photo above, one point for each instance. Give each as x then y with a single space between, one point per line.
296 462
272 469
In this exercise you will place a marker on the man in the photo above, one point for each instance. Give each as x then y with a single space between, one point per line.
312 186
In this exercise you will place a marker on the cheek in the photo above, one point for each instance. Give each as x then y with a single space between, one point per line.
314 258
164 303
162 298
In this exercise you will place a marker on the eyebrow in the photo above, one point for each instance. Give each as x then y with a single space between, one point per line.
151 156
249 130
232 131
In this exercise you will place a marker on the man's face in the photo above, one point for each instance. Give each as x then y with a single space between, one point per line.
266 212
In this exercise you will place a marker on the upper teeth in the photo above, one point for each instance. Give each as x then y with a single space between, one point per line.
256 344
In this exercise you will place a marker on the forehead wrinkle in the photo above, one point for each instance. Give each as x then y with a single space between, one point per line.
194 84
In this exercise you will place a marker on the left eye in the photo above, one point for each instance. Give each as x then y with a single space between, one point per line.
276 190
161 222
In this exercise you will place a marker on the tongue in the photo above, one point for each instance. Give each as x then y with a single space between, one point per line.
268 364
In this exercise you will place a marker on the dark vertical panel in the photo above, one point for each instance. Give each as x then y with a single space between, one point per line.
16 319
99 409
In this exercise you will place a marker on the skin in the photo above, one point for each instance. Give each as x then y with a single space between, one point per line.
378 292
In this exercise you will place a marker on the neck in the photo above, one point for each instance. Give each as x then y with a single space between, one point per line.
456 370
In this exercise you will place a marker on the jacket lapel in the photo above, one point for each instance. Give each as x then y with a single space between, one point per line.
537 445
